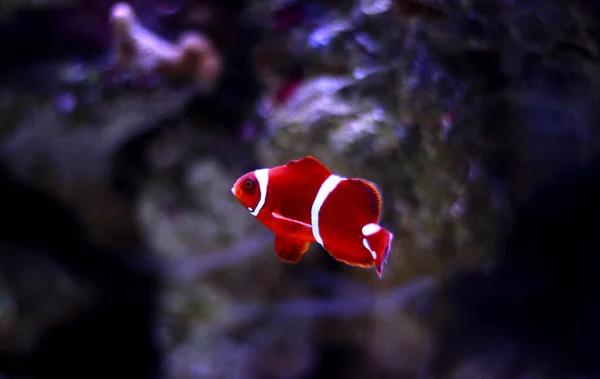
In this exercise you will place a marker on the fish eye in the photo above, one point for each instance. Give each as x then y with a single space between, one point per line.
249 184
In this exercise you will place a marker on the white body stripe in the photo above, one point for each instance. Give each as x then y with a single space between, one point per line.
262 176
366 244
326 188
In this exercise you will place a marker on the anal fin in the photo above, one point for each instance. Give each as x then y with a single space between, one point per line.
290 250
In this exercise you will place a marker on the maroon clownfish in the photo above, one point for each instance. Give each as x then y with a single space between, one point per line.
303 202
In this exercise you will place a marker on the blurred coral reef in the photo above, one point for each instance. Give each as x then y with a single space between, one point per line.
140 116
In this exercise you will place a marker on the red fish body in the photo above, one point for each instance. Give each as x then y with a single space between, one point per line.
303 202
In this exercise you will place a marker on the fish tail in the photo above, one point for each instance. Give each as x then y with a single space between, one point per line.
379 241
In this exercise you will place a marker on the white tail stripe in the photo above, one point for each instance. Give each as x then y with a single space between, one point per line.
366 244
262 176
370 229
326 188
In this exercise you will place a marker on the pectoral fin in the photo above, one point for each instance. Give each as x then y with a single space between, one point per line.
290 250
293 229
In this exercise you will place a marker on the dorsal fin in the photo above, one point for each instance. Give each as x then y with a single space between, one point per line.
367 193
310 166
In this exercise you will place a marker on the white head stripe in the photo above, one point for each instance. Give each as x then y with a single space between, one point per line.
326 188
262 176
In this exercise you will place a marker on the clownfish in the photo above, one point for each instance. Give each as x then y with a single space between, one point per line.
303 202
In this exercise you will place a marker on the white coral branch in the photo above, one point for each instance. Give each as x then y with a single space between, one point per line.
192 58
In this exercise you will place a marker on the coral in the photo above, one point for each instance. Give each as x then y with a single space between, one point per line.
535 312
454 109
191 58
436 104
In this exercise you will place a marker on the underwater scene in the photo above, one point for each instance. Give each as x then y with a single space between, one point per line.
300 189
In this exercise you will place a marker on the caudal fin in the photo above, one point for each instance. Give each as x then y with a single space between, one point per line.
379 241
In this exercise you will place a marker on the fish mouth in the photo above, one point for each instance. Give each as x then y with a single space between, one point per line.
233 190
